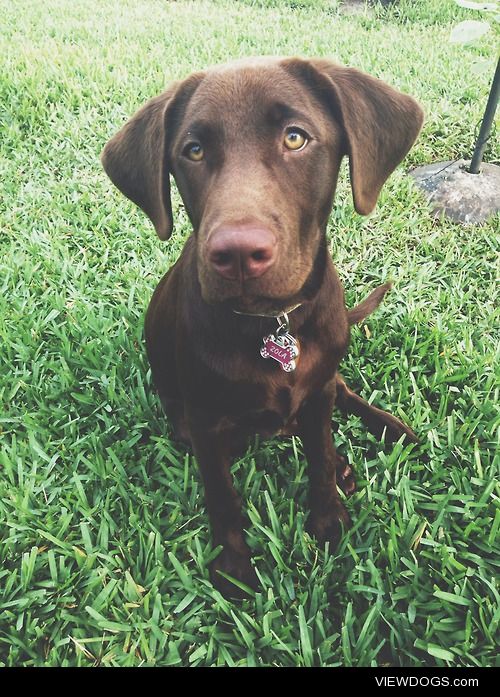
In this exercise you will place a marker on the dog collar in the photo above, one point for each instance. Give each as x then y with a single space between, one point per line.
281 346
270 315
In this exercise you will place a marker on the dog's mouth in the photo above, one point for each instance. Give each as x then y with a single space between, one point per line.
250 303
280 289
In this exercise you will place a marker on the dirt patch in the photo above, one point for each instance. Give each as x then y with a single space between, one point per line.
351 7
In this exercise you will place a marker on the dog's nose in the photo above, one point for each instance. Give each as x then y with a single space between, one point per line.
239 253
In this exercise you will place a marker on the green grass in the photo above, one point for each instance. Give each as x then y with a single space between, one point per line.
104 540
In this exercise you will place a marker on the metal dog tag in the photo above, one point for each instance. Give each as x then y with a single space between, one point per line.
282 346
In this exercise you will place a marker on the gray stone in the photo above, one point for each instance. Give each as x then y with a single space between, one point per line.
461 196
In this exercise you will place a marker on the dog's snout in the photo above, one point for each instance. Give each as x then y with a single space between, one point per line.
240 253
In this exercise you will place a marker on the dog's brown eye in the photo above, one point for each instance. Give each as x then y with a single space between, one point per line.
295 139
194 152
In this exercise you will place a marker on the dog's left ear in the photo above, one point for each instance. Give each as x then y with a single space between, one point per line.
379 123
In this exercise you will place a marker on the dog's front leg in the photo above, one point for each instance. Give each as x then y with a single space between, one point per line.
328 514
213 454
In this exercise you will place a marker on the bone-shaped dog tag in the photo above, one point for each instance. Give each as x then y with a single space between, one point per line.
282 346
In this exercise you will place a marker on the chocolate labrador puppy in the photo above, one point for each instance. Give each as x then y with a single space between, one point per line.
246 331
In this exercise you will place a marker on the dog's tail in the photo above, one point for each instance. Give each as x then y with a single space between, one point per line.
368 305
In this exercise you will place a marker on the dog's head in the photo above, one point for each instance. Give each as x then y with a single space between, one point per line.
255 148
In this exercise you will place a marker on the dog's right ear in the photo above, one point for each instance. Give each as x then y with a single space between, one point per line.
136 158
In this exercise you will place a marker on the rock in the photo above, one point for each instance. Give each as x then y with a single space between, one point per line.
463 197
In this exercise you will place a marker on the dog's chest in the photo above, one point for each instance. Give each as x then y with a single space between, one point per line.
236 387
270 403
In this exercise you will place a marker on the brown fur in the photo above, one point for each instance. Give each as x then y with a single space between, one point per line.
215 387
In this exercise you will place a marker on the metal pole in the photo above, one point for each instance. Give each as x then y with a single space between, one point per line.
487 123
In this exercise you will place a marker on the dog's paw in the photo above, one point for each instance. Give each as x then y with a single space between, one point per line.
237 565
328 526
346 480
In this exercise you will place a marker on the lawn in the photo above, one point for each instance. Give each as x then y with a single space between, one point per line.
104 534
